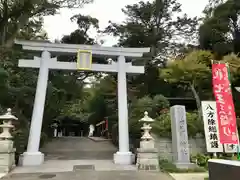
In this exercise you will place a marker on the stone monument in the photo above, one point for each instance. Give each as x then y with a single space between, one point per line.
181 155
7 150
147 154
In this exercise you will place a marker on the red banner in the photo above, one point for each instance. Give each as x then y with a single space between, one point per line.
225 106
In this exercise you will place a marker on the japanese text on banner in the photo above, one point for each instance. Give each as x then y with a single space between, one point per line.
209 111
224 102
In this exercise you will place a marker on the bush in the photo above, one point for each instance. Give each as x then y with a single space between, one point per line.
167 166
153 106
201 159
20 138
162 125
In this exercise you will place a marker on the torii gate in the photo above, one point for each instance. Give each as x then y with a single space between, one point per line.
33 156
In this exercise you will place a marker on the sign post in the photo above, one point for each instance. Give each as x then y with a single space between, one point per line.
211 129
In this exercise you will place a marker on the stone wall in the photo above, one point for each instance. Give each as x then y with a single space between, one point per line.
164 146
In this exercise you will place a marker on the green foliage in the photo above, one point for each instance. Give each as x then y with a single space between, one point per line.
78 110
193 72
18 90
152 105
220 30
190 70
19 18
80 36
162 125
152 24
167 166
201 159
20 138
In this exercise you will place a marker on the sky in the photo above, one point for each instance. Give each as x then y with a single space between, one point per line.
105 10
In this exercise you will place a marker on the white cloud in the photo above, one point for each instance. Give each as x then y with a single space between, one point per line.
105 10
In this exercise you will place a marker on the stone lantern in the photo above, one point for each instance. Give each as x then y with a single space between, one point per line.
7 124
147 154
7 150
147 140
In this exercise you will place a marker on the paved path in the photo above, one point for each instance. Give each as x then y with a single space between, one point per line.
92 175
70 165
75 158
73 148
189 176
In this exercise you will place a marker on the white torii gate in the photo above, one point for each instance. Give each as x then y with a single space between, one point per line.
33 156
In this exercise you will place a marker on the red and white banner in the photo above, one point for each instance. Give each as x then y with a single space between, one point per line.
225 107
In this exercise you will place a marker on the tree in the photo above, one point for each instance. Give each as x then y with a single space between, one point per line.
162 125
90 105
33 30
78 109
153 106
220 31
16 14
80 35
151 24
212 4
191 72
18 87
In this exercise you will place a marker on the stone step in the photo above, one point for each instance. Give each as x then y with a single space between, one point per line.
99 139
98 155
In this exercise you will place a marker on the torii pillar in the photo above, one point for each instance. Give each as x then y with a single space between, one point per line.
33 156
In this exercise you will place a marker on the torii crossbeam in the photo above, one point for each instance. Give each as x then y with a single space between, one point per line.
33 156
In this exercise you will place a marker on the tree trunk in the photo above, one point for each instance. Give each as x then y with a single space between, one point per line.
197 99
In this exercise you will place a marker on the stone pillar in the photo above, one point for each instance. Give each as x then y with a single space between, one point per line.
180 146
123 156
33 156
7 150
147 154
